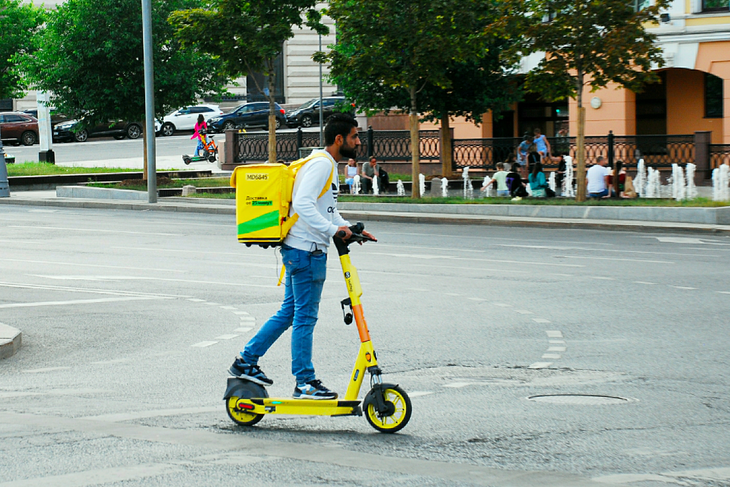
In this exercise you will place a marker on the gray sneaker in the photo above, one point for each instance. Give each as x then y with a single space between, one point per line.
314 389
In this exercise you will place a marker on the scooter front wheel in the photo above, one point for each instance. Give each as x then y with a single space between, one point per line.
397 411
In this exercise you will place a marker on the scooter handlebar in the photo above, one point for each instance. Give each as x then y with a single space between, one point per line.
357 235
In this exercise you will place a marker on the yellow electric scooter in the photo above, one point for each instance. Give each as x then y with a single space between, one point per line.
386 406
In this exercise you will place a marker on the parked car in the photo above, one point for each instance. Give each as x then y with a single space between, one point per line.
19 128
69 130
308 114
56 117
185 118
254 114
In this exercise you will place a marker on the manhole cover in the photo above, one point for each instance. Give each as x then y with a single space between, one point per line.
584 399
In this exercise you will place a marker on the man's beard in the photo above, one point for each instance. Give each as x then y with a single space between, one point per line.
349 152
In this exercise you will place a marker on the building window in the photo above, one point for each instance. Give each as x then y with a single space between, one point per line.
715 5
713 96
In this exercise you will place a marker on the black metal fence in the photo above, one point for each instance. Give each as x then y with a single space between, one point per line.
394 145
719 154
656 150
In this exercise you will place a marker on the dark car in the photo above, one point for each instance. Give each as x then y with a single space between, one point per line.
308 114
254 114
70 130
19 128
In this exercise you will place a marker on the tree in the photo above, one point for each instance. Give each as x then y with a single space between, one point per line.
405 45
247 36
18 24
89 58
588 43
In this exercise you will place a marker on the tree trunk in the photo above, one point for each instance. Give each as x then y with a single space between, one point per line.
447 161
272 117
415 152
580 194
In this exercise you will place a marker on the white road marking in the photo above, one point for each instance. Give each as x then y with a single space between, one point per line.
477 299
47 369
680 240
247 318
540 365
243 329
452 294
110 362
212 304
226 337
557 349
458 385
228 307
99 230
540 320
503 305
451 257
719 476
154 413
196 300
77 264
723 292
551 355
554 334
240 313
602 278
420 393
593 257
78 301
42 211
203 344
645 283
523 312
185 281
556 341
683 287
84 290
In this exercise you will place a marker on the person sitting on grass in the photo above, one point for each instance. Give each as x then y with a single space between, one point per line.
538 183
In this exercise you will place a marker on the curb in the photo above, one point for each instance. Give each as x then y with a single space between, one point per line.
10 341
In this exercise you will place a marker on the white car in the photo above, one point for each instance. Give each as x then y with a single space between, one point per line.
185 118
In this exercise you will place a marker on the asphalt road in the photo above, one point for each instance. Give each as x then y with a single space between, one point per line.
533 357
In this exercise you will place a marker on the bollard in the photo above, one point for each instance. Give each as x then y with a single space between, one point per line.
4 183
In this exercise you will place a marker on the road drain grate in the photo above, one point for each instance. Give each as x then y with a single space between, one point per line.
582 399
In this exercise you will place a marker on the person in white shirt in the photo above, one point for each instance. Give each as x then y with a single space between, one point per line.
597 179
304 254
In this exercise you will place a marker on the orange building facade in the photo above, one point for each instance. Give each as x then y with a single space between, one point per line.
693 96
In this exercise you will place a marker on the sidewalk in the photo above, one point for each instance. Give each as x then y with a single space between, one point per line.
709 220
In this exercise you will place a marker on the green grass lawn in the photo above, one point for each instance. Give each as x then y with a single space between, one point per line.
45 169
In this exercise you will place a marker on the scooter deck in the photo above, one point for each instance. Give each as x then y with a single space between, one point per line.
319 407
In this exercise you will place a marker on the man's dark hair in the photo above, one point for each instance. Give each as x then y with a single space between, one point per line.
338 124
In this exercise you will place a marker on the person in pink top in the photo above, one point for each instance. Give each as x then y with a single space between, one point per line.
201 128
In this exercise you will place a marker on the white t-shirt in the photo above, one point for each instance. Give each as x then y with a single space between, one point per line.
318 218
597 178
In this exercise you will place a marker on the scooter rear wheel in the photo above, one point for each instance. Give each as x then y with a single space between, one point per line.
399 409
245 390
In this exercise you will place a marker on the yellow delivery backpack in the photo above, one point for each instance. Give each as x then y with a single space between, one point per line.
263 199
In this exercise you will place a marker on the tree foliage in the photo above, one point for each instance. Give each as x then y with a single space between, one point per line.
89 57
247 35
587 43
18 23
389 48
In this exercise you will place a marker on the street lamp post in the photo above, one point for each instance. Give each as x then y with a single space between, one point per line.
149 101
4 183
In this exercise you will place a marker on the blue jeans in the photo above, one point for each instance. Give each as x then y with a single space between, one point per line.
598 195
305 275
